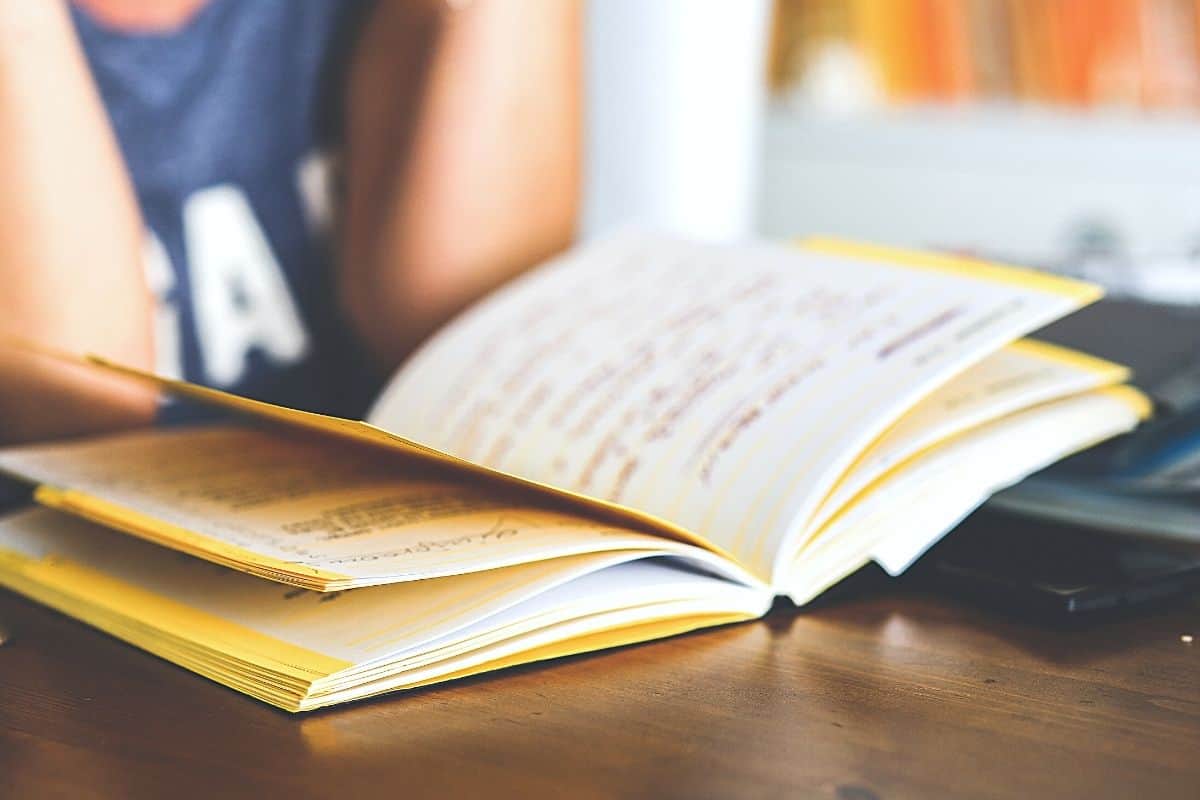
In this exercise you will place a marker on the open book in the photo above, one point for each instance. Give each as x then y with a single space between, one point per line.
640 438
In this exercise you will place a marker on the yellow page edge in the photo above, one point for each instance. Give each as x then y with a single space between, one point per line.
1023 277
110 515
105 593
1073 358
1105 370
1134 398
1128 395
77 590
1109 371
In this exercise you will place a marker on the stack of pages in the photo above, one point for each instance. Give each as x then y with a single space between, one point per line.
640 438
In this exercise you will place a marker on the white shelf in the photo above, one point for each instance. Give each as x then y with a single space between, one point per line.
1004 180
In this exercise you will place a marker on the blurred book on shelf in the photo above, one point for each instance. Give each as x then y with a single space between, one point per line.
848 54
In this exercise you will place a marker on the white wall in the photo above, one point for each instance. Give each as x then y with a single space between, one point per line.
675 101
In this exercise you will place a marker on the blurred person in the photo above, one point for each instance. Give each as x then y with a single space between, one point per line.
278 198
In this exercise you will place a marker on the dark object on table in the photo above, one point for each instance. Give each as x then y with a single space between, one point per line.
1158 342
1147 483
1048 573
13 494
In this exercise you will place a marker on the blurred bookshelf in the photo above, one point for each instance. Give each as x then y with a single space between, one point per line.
1062 133
1141 54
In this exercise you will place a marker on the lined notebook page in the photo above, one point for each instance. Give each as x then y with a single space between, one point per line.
723 389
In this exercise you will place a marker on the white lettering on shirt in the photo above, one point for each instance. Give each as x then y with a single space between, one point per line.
314 183
240 296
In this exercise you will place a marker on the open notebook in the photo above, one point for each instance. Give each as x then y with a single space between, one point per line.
639 438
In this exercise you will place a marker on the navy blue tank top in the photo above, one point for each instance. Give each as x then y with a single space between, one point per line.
228 129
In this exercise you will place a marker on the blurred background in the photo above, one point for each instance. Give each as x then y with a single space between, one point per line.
1058 133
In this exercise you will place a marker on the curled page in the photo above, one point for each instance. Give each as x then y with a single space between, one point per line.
313 512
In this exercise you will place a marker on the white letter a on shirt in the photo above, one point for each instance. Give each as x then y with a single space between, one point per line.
240 297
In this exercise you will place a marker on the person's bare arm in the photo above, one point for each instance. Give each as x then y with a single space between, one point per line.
463 158
70 237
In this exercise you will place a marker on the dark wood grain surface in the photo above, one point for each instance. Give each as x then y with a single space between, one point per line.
889 694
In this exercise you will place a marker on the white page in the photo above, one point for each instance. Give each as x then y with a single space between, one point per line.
570 611
619 586
723 389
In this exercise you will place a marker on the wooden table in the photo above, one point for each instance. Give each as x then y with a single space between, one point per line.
889 694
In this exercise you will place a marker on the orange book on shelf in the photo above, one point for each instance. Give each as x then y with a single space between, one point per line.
886 32
944 30
1058 49
801 31
1051 44
1063 42
990 46
779 47
1115 75
1028 75
1169 64
1076 34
